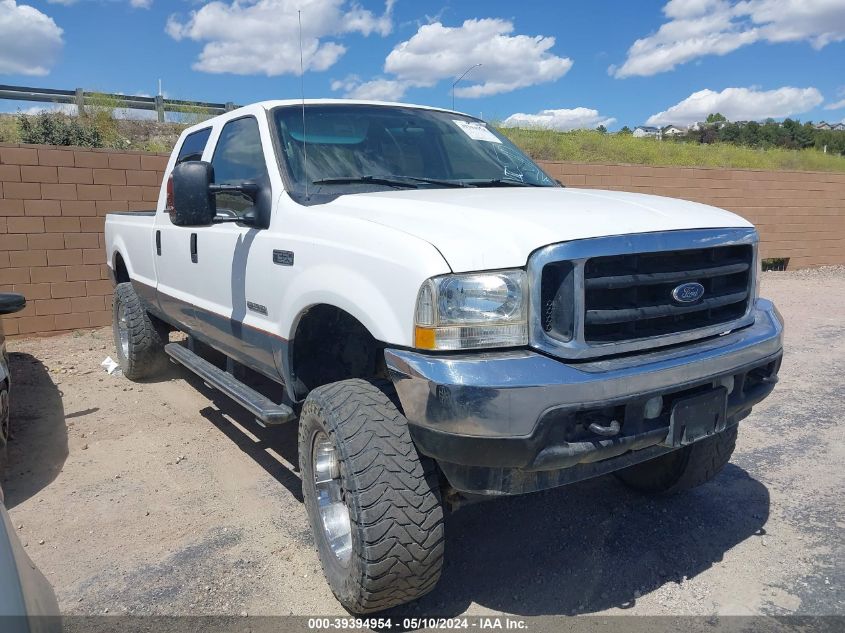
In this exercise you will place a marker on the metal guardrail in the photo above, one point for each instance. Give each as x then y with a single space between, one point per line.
80 97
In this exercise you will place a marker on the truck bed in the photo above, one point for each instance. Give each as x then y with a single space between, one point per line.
132 232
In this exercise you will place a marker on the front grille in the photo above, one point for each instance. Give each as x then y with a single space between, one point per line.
629 297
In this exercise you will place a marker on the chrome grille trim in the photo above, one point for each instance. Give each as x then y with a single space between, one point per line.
579 251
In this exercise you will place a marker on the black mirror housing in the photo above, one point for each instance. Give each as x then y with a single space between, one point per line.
194 204
11 302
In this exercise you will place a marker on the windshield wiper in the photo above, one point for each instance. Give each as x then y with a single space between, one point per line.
391 180
437 181
367 180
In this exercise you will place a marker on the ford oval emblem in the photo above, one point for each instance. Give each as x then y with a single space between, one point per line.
688 293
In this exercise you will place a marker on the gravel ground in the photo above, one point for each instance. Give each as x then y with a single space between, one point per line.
164 498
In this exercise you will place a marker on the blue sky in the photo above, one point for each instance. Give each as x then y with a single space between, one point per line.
559 64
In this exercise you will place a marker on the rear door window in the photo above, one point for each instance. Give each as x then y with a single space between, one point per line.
193 146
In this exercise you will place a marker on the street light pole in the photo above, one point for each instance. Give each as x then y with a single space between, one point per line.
455 83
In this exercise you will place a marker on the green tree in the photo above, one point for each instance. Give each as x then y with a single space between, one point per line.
709 135
750 134
730 133
601 129
805 135
715 117
626 130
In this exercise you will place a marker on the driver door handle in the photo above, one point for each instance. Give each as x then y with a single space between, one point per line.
194 257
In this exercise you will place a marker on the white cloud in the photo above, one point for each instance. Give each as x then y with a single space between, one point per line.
262 37
379 89
835 106
717 27
437 52
561 119
740 104
30 41
135 4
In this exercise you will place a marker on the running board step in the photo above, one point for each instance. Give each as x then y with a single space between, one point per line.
267 412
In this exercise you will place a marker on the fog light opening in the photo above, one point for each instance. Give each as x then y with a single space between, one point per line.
653 407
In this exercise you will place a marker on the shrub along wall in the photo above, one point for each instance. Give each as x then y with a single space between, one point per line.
53 201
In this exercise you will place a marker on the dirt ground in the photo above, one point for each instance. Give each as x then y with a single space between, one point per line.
165 498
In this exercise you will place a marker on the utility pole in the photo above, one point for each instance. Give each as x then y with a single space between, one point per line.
455 83
160 104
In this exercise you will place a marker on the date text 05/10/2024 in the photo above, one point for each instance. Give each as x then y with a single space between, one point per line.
460 623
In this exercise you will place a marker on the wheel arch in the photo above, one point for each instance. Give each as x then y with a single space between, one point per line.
328 344
120 271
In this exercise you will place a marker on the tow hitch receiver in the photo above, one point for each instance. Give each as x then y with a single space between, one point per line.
697 417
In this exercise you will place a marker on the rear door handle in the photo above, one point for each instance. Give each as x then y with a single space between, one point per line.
194 248
158 242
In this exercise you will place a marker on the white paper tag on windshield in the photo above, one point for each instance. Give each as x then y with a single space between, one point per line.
476 131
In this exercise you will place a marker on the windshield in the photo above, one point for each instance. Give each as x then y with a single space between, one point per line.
354 148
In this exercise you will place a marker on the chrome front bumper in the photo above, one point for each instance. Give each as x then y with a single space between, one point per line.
495 409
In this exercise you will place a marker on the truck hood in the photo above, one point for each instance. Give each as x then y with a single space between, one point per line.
488 228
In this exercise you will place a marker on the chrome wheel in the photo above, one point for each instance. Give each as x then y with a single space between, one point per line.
123 331
334 514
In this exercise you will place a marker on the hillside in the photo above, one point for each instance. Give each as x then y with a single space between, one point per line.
587 146
581 146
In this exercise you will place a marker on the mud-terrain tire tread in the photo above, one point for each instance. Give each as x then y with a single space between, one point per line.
147 335
683 469
392 495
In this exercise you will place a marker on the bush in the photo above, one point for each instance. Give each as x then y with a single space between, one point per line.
9 131
55 128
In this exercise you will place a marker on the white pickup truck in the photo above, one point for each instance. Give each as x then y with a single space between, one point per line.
443 320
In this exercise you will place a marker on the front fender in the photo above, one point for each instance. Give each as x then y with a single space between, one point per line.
353 293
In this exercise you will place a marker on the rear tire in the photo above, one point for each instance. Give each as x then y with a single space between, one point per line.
139 338
352 436
684 468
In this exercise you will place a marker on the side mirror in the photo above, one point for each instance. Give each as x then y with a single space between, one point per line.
11 302
194 204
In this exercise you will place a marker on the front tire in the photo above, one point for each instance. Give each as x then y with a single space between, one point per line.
373 502
684 468
138 337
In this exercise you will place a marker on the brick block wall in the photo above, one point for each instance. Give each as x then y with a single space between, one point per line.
53 201
800 214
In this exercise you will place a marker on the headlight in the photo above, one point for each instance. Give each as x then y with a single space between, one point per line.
472 311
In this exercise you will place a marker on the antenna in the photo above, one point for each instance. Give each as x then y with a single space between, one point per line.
302 96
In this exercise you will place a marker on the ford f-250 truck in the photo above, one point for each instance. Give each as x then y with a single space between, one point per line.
443 320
